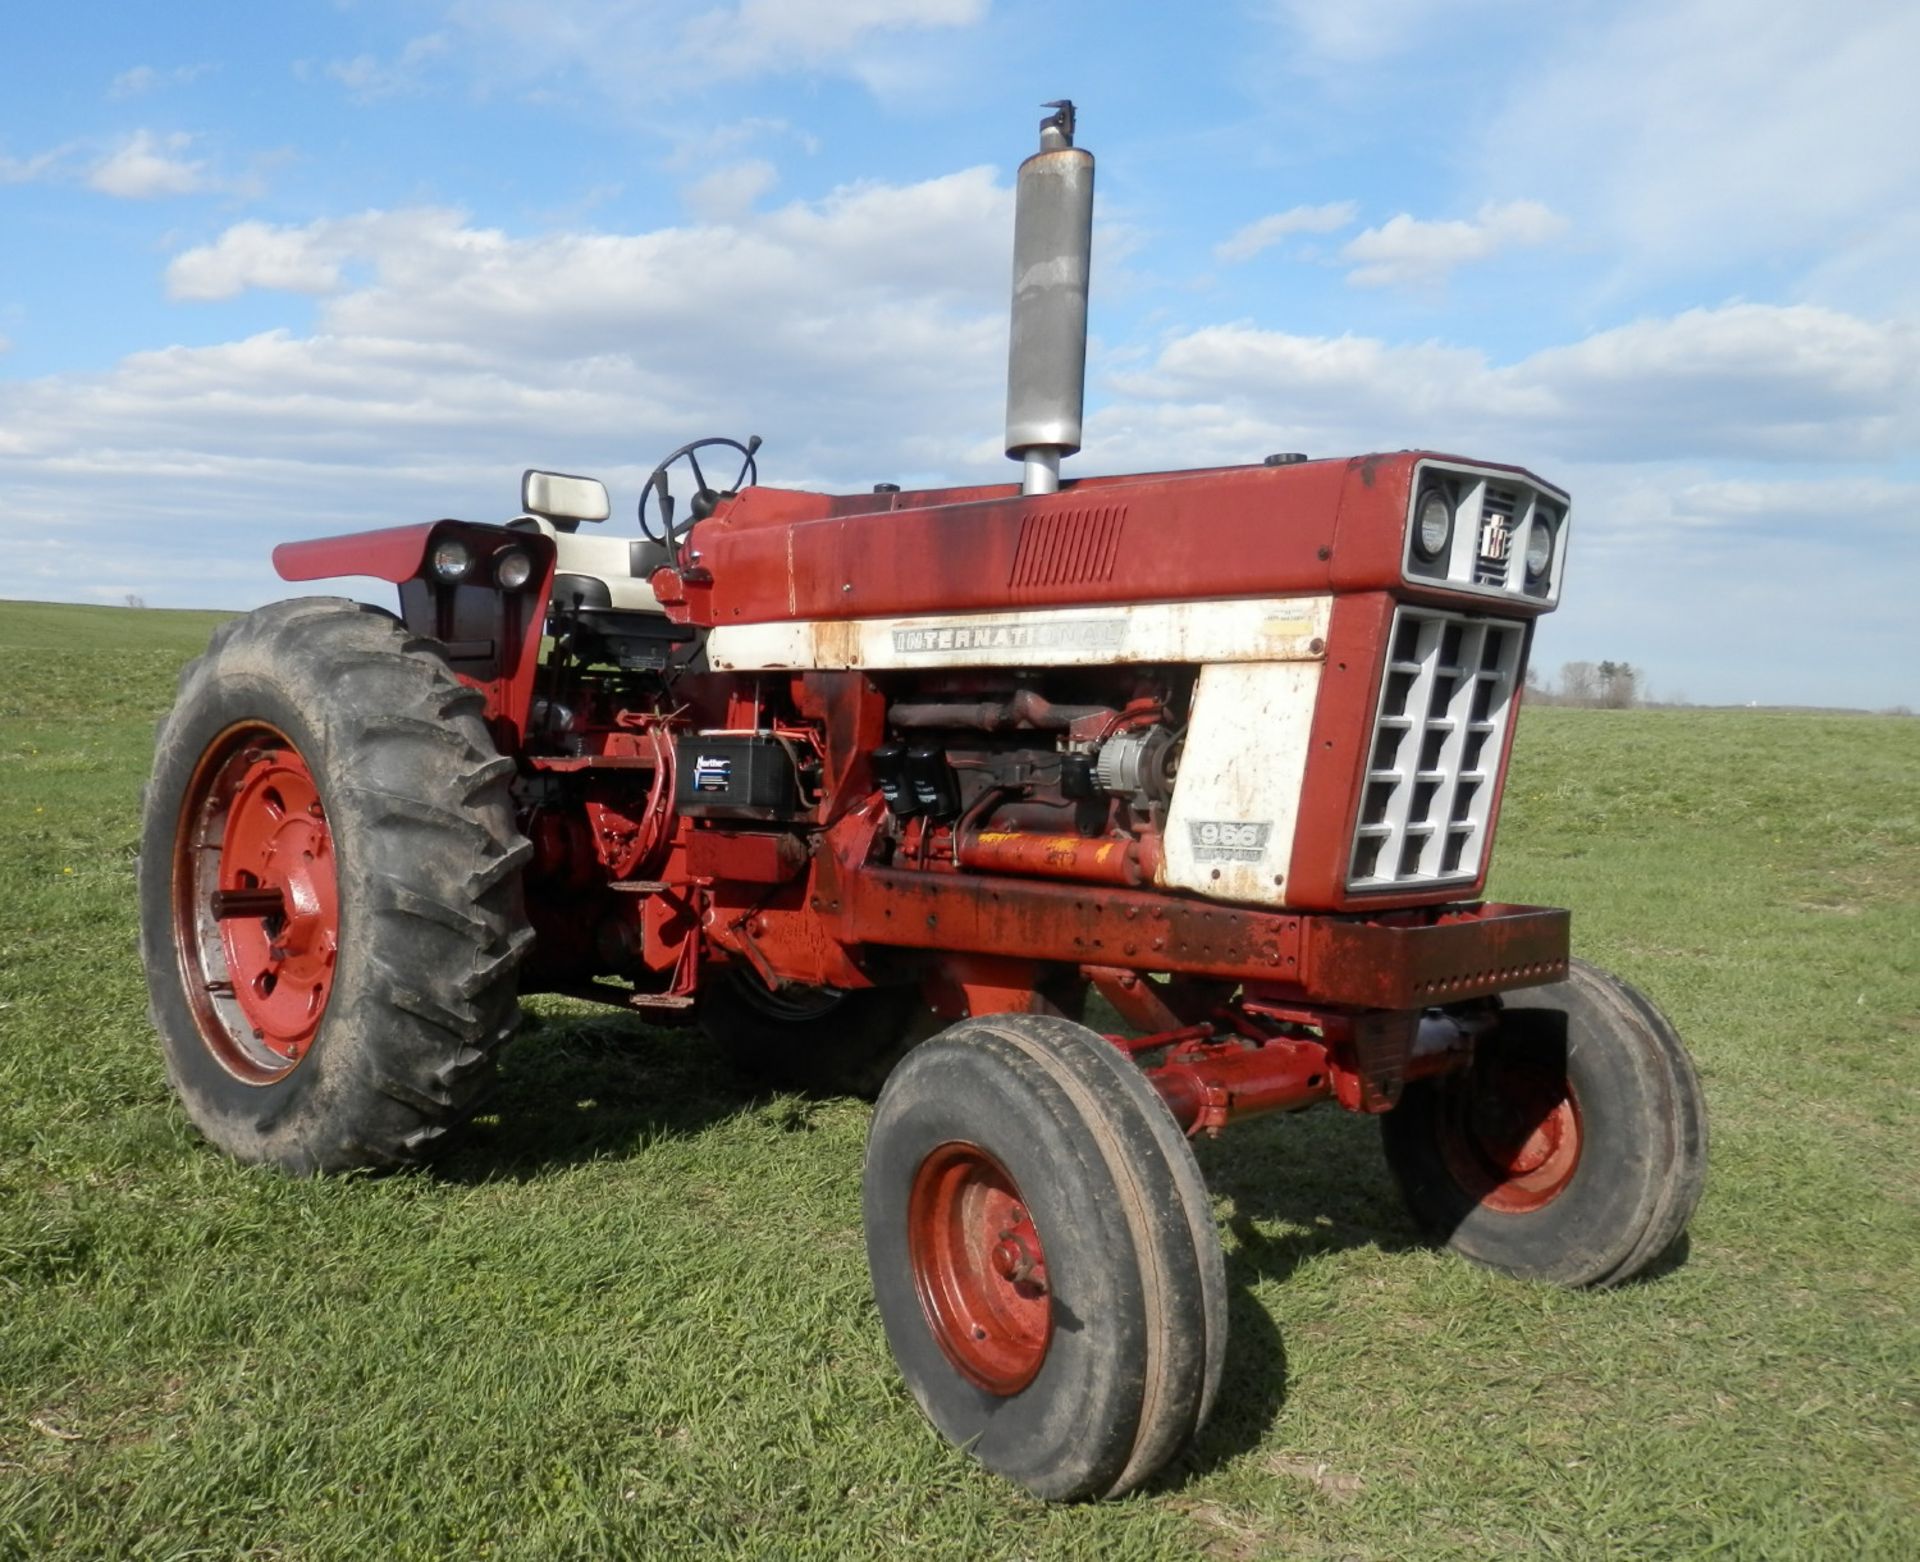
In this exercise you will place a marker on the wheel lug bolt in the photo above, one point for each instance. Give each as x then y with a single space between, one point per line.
1011 1258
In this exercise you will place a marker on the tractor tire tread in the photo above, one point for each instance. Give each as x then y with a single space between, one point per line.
1185 1313
1095 1153
408 767
1644 1117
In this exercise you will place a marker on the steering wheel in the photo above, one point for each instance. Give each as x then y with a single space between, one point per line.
705 496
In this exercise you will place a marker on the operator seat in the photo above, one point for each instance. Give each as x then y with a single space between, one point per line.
589 571
602 586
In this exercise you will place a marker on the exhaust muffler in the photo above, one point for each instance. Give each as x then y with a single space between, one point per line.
1047 346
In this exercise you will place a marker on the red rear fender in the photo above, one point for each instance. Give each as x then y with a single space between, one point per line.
490 636
394 553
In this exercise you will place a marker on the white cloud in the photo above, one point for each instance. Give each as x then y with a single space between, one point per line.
142 79
146 165
40 165
1714 133
1830 507
1733 589
131 83
709 143
1265 232
1747 381
139 166
1407 249
1757 380
863 334
730 191
309 259
758 36
653 48
1359 32
367 77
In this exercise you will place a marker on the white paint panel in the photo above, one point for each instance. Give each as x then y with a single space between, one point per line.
1237 799
1269 629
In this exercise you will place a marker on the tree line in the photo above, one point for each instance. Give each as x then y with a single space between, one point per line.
1598 685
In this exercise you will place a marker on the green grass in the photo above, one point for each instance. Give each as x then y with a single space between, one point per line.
631 1317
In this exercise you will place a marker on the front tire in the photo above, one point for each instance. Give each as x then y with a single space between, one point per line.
1044 1256
330 904
1573 1150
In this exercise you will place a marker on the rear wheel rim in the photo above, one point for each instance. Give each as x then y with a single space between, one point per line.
1510 1132
980 1268
256 906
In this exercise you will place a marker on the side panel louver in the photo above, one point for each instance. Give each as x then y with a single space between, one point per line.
1068 547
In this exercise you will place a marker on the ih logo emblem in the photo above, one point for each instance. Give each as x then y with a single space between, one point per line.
1496 538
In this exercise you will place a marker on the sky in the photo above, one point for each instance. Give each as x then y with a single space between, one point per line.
273 271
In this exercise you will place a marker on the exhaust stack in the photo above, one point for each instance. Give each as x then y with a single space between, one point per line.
1047 347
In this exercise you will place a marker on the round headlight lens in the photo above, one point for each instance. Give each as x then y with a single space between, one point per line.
450 560
513 568
1433 525
1540 548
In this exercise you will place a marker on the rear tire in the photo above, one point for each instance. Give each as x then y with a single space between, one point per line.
1574 1150
319 753
1044 1256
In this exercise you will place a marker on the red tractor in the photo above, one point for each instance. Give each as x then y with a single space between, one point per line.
1223 747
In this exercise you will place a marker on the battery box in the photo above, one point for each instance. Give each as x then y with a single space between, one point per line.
734 776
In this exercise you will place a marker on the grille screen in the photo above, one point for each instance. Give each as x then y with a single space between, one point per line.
1494 549
1446 698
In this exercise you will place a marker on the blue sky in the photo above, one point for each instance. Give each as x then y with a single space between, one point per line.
278 270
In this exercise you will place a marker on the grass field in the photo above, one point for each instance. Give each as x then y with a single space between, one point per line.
631 1316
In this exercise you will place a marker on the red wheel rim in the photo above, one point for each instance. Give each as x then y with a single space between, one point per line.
256 904
979 1267
1510 1131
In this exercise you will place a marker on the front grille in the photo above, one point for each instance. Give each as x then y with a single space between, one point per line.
1495 515
1447 694
1494 549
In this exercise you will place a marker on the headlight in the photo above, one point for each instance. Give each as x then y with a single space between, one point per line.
513 568
1432 525
1540 548
450 560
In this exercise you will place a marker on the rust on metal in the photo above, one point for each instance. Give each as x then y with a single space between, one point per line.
1418 960
1067 923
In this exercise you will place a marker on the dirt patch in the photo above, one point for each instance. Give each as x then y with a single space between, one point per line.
1335 1485
1230 1533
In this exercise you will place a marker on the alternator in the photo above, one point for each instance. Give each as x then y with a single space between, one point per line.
1138 764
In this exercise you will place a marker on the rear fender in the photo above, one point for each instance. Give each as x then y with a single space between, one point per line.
489 635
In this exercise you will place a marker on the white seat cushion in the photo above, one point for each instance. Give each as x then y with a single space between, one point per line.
603 558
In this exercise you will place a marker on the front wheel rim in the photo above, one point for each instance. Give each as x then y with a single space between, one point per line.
1510 1132
980 1268
256 905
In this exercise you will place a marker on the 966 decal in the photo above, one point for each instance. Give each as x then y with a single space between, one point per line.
1228 840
